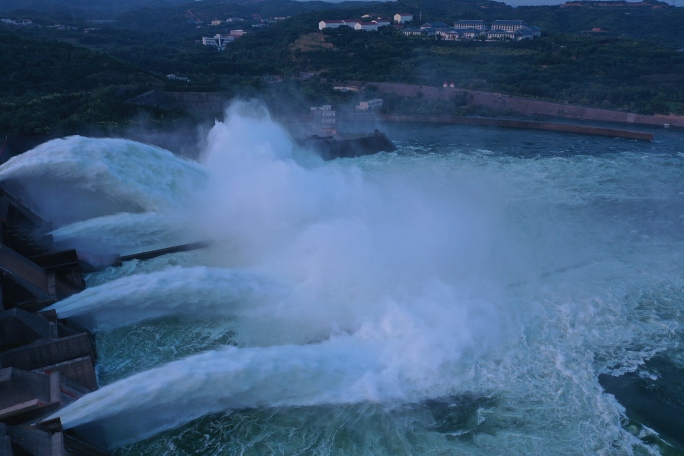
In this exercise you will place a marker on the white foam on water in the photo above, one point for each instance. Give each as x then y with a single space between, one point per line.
408 277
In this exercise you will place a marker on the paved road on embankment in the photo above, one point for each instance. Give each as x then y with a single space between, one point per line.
506 104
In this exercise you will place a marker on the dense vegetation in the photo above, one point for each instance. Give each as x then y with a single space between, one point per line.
58 79
59 88
606 72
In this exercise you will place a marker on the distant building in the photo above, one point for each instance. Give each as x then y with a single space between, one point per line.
434 25
24 22
218 41
338 23
173 77
523 33
345 89
351 22
324 120
449 34
403 17
368 26
512 30
496 34
370 105
470 33
471 29
508 26
237 33
430 32
355 24
468 24
216 22
331 24
414 32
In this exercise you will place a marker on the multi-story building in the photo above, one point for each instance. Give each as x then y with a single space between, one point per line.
371 105
470 24
496 34
523 33
324 120
449 34
355 24
338 23
435 26
414 32
507 26
218 41
368 26
403 17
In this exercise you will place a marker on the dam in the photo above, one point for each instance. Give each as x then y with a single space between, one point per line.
46 363
472 290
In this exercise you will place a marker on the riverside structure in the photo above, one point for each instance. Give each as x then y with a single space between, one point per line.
45 363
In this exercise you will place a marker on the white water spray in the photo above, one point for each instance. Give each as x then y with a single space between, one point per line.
397 273
404 278
196 292
77 178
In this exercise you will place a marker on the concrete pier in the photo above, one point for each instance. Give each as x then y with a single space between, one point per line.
45 364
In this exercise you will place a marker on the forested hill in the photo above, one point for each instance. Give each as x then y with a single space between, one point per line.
110 9
60 87
650 20
87 9
63 72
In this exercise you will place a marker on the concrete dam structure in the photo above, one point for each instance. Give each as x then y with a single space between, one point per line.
45 363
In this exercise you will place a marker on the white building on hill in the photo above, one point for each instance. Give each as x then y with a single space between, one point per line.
507 26
218 41
368 26
400 18
468 24
338 23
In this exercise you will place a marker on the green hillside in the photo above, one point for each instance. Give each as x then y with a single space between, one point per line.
64 72
46 89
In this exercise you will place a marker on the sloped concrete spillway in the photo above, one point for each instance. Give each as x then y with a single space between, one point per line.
45 363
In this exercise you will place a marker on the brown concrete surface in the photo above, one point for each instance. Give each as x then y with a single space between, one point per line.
525 106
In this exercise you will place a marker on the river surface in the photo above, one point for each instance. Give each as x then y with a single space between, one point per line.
461 295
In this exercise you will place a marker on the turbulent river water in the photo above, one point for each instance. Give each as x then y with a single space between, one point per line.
461 295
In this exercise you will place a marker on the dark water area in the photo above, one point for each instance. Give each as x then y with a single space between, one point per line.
654 397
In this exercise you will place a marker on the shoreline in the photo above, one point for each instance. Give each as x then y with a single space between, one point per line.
510 104
521 124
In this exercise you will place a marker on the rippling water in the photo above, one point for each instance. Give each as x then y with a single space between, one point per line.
460 295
